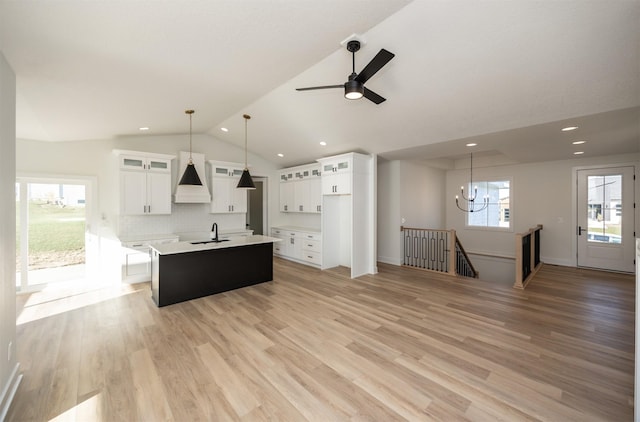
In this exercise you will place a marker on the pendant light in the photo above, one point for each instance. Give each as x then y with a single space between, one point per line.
190 176
471 199
245 180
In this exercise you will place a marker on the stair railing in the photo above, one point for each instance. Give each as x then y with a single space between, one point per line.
464 267
527 256
436 250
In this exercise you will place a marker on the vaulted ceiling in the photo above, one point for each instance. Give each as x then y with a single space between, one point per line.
506 75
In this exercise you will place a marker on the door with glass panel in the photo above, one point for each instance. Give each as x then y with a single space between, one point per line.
605 206
50 232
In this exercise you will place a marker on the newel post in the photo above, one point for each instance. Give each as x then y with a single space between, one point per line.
452 252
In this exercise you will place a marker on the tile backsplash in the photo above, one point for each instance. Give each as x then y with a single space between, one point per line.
183 218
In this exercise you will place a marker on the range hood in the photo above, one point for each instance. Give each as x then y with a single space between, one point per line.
192 194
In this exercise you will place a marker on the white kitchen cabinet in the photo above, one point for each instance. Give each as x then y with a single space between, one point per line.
144 163
136 260
336 175
145 183
226 198
300 189
287 196
348 213
313 200
298 244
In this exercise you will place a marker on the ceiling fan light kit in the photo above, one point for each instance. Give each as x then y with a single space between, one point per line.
354 88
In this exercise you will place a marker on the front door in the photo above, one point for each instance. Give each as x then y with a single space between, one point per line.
605 207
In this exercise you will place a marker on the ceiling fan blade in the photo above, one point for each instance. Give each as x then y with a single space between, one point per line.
320 87
370 95
374 65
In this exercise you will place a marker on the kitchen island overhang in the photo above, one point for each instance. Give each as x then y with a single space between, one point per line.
183 271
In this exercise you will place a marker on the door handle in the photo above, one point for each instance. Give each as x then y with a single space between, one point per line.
579 230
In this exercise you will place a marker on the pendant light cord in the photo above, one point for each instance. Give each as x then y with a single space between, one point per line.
246 119
471 176
190 113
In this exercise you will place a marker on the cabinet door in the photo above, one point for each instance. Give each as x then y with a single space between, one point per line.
159 193
220 191
300 195
133 192
131 162
294 249
159 165
286 197
238 196
336 184
313 200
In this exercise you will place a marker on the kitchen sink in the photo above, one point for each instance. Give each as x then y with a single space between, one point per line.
204 242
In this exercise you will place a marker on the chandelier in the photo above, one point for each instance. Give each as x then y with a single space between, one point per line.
471 205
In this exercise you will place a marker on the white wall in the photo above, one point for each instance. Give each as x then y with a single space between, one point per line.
409 191
422 196
95 158
389 220
8 365
542 193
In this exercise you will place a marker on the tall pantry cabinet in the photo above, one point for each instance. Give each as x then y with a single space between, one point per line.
349 212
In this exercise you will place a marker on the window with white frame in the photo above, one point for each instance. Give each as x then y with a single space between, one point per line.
498 212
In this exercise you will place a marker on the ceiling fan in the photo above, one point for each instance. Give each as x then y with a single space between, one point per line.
354 88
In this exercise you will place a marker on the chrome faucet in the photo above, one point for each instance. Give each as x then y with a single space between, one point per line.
214 232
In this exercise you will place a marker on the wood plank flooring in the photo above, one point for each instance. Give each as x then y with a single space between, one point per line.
315 345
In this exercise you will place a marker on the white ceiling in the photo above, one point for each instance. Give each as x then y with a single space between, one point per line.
507 75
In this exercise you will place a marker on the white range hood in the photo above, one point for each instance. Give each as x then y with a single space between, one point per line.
192 194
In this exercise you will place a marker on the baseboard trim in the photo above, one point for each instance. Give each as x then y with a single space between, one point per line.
9 391
390 260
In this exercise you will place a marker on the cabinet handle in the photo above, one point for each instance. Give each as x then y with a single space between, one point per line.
309 256
301 207
292 241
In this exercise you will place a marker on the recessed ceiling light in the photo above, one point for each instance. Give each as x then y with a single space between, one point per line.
578 153
280 155
144 128
568 128
578 142
224 129
323 143
472 144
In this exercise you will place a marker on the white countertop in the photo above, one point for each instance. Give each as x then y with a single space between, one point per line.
182 247
297 229
148 238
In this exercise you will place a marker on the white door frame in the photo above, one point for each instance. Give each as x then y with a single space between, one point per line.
91 216
574 201
265 202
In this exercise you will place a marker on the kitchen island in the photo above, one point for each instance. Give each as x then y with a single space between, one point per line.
188 270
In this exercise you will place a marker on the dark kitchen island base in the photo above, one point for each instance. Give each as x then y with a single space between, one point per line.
190 275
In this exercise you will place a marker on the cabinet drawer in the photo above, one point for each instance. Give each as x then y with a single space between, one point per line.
277 248
312 257
311 245
310 236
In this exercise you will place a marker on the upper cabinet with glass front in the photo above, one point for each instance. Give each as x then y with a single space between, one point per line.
156 164
226 198
145 182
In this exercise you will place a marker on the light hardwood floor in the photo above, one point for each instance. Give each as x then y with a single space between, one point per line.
316 345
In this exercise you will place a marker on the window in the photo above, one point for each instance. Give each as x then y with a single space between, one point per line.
498 211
